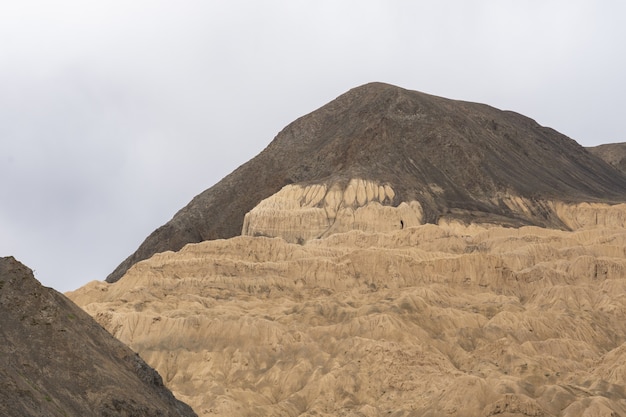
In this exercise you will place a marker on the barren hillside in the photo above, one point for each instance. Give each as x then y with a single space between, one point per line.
55 360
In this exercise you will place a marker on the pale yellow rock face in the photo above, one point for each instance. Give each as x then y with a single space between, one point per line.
429 320
300 213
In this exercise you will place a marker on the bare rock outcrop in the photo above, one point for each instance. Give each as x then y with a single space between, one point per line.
451 319
55 360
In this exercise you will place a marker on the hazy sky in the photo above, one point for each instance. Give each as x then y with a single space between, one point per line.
114 114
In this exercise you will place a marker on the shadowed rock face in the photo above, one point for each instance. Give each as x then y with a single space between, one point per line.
612 153
55 360
456 159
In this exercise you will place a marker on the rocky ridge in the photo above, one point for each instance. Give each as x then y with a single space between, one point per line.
55 360
612 153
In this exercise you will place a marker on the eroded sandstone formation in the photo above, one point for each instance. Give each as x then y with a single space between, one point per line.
299 213
450 319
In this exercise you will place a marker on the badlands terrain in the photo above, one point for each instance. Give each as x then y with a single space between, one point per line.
430 320
389 254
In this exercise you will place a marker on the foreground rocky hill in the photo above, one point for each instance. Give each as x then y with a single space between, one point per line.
430 320
55 360
448 159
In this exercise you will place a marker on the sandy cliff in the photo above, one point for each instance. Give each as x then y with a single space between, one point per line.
299 213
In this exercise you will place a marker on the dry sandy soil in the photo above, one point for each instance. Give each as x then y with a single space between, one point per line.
428 320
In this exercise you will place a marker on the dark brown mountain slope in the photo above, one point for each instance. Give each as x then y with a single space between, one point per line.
55 360
458 159
612 153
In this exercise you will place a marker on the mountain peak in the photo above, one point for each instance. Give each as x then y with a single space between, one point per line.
453 159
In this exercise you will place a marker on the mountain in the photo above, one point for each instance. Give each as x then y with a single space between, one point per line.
445 159
392 253
612 153
55 360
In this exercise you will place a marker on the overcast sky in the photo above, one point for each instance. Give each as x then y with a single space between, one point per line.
114 114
